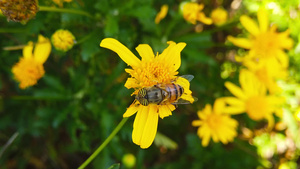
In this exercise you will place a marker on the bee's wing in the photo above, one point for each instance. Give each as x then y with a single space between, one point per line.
188 77
182 101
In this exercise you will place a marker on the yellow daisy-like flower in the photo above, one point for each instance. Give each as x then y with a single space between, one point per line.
63 40
215 124
162 13
264 43
30 67
219 16
192 12
149 71
252 98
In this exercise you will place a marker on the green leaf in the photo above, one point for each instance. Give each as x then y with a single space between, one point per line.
111 27
90 47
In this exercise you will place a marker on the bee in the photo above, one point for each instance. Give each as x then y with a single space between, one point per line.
162 93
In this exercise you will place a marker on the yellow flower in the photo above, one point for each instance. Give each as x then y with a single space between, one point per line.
63 40
192 13
147 72
252 98
219 16
19 10
265 43
30 67
215 124
162 13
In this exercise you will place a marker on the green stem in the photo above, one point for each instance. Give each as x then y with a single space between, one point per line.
100 148
74 11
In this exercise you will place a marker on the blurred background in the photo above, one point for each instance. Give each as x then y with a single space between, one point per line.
60 121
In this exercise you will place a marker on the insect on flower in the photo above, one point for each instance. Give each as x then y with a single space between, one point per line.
152 77
162 94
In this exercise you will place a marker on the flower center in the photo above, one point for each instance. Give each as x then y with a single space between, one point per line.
154 72
214 121
265 44
262 75
257 107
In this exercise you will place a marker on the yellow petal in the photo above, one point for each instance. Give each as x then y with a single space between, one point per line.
218 106
139 124
202 18
205 139
197 123
282 58
263 20
171 54
131 110
234 110
235 90
42 49
171 107
240 42
275 100
271 122
130 71
125 54
146 52
246 81
284 40
27 50
150 128
162 13
249 25
164 111
131 83
233 101
200 6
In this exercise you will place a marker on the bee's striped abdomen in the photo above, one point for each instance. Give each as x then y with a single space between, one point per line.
174 92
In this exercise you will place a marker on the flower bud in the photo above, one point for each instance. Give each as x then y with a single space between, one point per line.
63 40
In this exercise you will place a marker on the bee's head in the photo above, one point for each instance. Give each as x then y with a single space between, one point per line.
142 97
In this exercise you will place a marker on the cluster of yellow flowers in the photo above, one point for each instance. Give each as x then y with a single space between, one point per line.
192 12
265 63
30 67
259 94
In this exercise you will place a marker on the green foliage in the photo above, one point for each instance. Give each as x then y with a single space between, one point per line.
82 98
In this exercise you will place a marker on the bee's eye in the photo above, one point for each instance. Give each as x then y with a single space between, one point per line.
142 92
